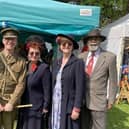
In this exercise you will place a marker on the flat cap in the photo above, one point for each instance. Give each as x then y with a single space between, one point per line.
9 33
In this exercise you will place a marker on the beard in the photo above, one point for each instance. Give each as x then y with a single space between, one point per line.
93 48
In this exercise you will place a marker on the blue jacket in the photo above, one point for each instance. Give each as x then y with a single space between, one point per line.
73 83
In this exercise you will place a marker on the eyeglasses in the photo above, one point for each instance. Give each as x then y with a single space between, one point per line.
34 53
66 43
10 38
94 38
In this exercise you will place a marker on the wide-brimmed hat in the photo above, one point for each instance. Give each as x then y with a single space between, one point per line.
9 32
93 33
61 37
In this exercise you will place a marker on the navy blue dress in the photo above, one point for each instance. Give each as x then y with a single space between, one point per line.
37 93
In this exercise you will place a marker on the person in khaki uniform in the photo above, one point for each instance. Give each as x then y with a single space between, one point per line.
12 77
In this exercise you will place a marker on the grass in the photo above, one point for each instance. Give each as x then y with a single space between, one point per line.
118 117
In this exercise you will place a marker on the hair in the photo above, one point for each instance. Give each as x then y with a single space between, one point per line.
35 41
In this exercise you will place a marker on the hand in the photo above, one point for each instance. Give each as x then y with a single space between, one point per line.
109 106
45 111
8 107
75 115
1 108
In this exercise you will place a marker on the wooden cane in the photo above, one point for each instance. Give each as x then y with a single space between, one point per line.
24 106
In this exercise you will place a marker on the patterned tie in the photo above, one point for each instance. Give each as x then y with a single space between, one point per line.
89 66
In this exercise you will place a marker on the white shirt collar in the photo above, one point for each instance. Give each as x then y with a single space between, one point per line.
96 53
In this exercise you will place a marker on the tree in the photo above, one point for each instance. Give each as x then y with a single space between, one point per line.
111 10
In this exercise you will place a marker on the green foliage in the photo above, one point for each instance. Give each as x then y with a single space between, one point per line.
110 9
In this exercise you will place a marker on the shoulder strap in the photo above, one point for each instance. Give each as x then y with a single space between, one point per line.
8 68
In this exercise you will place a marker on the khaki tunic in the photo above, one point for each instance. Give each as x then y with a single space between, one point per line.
10 90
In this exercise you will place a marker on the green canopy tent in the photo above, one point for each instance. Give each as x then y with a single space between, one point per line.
48 17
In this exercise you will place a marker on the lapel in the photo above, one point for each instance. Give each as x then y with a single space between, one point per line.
70 61
12 59
58 65
100 61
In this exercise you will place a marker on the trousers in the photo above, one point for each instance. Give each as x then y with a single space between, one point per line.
7 119
91 119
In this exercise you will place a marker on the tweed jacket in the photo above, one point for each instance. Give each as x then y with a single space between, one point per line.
103 80
11 90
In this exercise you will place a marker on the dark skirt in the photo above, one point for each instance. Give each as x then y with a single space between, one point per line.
30 120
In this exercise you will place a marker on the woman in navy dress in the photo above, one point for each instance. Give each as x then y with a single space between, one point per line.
38 85
68 81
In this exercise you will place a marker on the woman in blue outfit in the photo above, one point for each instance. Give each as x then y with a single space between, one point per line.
68 81
38 85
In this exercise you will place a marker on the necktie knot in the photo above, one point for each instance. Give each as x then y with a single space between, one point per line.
92 54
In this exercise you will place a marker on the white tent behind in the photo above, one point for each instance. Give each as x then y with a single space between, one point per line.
116 33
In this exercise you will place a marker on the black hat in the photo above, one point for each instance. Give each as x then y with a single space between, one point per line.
93 33
9 32
69 37
34 39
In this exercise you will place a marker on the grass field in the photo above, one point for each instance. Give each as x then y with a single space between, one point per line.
118 117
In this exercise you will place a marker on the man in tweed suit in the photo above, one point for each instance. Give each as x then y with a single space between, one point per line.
103 69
